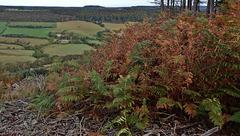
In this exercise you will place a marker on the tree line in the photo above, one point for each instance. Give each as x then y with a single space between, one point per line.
191 5
108 15
91 15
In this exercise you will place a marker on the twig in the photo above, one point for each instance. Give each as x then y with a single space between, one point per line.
81 126
174 129
155 131
211 131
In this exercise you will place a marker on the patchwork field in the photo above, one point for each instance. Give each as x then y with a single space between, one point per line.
41 32
36 24
79 27
33 41
2 26
12 53
11 46
13 56
68 49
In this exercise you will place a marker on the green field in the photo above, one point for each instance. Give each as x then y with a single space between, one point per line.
68 49
114 26
33 41
79 27
94 41
41 32
11 46
13 56
38 24
2 26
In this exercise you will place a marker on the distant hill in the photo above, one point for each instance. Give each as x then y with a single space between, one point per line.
93 7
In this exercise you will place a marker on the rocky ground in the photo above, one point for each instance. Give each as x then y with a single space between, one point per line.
16 120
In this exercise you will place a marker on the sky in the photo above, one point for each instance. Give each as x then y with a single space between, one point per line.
77 3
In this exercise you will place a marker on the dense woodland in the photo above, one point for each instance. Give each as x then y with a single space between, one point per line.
90 15
185 67
34 16
109 15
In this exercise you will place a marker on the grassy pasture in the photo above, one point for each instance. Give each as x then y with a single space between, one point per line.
79 27
114 26
6 46
40 32
68 49
94 41
33 41
38 24
13 56
2 26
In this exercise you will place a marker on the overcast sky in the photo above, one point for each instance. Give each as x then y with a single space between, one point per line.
77 3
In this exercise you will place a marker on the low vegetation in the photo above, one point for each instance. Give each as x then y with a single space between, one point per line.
2 26
10 46
78 27
27 41
66 49
13 56
27 32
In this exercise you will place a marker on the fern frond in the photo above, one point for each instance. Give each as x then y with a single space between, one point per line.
230 92
69 98
214 111
65 90
124 131
235 117
163 102
191 92
43 102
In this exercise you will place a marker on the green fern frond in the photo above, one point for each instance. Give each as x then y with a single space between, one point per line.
69 98
43 102
231 65
74 79
162 85
191 92
231 92
99 88
65 90
235 117
57 65
73 63
159 91
163 100
124 131
214 109
135 56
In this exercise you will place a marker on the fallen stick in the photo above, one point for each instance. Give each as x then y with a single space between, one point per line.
211 131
